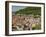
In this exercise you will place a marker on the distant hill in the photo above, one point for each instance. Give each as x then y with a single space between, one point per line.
29 10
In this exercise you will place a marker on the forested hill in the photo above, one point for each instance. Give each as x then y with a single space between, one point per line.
30 10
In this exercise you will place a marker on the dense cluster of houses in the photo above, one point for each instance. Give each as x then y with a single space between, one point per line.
24 22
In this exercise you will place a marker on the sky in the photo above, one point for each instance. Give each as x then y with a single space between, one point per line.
16 8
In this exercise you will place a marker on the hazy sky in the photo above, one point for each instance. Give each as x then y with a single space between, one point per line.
16 8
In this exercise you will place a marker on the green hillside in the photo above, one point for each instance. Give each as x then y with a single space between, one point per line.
30 10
